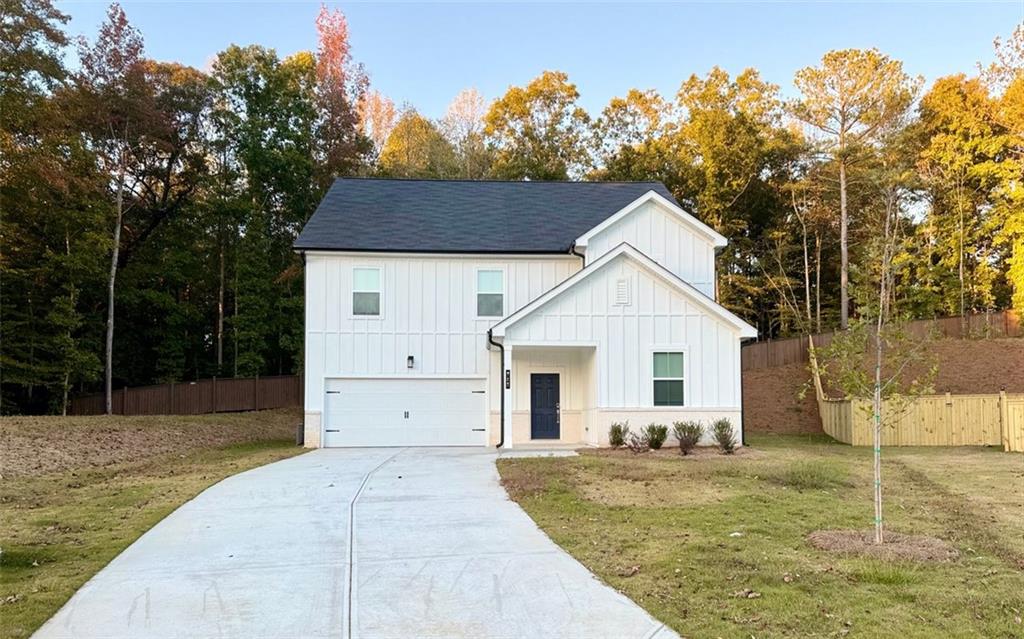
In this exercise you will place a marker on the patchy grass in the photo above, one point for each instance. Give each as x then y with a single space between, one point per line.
717 545
58 528
39 445
810 474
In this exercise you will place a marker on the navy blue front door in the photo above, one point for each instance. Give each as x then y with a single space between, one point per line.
544 406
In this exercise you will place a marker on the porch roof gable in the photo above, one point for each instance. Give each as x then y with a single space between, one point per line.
627 251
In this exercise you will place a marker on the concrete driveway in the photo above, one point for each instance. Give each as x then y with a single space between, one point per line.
351 543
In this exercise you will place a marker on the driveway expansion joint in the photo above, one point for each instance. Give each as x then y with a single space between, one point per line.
442 552
352 538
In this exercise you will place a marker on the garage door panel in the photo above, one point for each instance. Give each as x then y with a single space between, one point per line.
405 412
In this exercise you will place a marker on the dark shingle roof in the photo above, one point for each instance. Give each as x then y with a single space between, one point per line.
463 216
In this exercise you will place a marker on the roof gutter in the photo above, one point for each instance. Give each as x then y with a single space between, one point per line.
501 385
573 251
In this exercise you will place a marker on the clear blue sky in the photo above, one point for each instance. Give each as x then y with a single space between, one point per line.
425 53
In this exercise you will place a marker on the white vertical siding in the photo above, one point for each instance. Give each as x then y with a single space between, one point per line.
660 235
428 310
659 317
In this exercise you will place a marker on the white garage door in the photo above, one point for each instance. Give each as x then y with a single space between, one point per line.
405 412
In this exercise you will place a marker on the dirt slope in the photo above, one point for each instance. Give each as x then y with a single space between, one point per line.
32 446
770 395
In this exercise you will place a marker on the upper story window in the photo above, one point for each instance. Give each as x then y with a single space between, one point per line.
668 379
490 293
366 291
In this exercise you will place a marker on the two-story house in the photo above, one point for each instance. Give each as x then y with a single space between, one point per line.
476 313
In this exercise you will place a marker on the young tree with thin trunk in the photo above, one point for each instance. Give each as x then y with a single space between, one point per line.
876 358
849 100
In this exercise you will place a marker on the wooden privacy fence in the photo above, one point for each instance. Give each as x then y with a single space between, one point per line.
203 396
930 420
793 350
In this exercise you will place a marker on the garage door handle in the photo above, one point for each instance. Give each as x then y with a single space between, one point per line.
478 430
333 392
480 392
333 430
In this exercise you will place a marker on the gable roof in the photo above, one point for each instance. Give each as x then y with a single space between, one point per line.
717 239
463 216
631 253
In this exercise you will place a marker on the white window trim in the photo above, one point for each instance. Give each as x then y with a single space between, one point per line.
476 293
352 291
685 351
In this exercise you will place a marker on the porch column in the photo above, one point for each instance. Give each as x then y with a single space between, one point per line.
506 388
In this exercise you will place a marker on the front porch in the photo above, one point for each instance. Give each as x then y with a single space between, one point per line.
552 401
553 390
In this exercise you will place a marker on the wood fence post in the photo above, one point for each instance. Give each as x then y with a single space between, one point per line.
213 393
1004 421
256 392
170 398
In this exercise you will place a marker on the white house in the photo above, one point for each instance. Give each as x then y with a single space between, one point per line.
478 313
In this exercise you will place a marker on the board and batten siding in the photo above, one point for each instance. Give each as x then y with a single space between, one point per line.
658 318
428 310
668 241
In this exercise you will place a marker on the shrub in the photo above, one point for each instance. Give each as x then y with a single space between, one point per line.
688 434
655 434
722 431
637 443
618 434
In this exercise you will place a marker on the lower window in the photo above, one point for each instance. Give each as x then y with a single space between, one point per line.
668 379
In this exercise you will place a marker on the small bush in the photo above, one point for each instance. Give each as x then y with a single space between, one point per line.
688 435
637 443
655 434
618 434
722 431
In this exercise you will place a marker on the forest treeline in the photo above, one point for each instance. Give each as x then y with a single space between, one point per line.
147 209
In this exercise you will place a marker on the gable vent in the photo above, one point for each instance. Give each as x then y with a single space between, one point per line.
622 292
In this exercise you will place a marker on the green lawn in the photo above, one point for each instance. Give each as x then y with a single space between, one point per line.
61 524
691 539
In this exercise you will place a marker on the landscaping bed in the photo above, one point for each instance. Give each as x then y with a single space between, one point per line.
721 545
76 491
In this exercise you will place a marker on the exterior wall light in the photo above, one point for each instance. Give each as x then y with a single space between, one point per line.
410 361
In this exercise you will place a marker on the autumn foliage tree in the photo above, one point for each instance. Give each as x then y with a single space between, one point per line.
416 148
850 99
162 201
340 88
539 131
